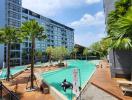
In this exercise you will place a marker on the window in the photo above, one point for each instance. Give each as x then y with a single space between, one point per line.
34 14
15 62
25 18
30 44
15 46
15 54
14 15
12 22
14 7
16 1
25 44
25 10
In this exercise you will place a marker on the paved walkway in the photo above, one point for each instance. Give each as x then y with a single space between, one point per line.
91 92
102 80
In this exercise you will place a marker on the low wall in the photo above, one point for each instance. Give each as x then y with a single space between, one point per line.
120 63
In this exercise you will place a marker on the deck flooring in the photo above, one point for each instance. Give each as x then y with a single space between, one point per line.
22 80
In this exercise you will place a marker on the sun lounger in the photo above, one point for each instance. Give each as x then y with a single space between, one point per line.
123 82
126 89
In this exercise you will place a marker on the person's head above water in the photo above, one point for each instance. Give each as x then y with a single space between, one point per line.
64 80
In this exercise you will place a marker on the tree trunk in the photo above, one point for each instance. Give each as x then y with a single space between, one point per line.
41 59
50 58
8 66
32 62
75 56
61 59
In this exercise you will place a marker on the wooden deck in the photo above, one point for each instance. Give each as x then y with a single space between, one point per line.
22 80
102 80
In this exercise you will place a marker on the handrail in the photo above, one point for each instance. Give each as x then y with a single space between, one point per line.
12 96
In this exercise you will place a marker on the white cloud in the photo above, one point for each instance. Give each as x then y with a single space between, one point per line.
88 38
89 28
92 1
89 20
50 7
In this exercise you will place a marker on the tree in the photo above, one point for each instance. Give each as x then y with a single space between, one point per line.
64 52
59 53
33 31
95 48
124 29
49 51
101 48
74 51
86 52
9 36
119 25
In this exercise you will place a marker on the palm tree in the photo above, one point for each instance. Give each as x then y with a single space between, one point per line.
86 52
124 25
49 51
33 31
9 36
121 32
121 8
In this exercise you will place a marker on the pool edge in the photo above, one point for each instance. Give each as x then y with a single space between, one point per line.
57 95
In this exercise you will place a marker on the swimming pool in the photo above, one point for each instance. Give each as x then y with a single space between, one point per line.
13 71
55 78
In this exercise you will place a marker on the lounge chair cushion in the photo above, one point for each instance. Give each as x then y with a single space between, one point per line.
121 82
126 89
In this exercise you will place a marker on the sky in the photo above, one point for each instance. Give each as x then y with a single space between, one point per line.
85 16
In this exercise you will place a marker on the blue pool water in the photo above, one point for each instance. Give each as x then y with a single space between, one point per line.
13 71
55 78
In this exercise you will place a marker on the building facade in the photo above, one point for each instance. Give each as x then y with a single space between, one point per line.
13 14
108 6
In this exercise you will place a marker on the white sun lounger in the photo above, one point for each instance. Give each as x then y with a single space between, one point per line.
123 82
126 89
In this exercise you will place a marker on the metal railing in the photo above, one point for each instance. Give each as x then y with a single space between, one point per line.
6 94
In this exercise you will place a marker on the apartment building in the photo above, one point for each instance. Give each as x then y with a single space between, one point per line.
13 14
